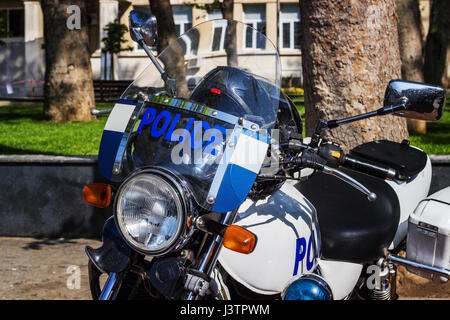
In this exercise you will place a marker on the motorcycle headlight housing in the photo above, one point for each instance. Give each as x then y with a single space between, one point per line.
150 213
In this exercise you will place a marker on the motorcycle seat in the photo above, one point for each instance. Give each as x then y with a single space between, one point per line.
352 228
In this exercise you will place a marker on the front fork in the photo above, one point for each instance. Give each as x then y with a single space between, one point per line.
112 286
110 289
205 265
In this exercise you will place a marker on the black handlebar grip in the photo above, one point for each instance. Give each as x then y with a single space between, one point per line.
370 168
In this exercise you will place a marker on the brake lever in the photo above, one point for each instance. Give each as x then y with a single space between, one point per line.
310 159
371 196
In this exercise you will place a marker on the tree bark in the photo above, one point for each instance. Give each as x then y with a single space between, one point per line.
68 88
173 61
230 35
410 43
437 48
349 54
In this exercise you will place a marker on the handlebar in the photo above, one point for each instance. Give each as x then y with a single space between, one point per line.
329 156
314 161
369 168
96 111
332 155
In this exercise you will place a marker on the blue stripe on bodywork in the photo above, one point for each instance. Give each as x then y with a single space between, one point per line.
110 143
107 152
236 184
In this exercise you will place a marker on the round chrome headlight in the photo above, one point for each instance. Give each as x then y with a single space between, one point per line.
150 213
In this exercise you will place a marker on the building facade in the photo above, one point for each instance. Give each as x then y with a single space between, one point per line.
22 56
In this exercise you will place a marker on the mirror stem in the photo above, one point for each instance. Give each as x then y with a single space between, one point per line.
141 42
322 125
380 112
168 81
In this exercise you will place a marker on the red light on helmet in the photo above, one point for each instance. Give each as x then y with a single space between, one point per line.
216 91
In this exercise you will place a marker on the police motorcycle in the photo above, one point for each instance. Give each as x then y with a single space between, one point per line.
216 195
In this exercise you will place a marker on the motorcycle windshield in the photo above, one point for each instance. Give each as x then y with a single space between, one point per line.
209 123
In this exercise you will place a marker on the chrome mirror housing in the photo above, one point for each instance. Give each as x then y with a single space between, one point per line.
144 24
421 101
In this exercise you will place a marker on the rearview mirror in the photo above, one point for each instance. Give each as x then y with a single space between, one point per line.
423 101
144 24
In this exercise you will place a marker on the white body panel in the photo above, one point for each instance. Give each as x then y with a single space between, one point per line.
278 222
340 276
281 219
409 195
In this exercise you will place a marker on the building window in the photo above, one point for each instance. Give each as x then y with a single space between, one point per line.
289 27
12 23
255 17
219 29
182 17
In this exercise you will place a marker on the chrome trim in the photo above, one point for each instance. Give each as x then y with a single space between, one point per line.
96 111
419 100
208 262
184 234
418 265
116 170
203 110
391 174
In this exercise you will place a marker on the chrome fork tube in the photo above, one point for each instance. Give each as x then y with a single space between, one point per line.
111 287
209 260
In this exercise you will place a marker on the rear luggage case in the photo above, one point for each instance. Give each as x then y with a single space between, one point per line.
428 239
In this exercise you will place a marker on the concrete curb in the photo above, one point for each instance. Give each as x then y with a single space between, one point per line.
41 195
440 159
39 158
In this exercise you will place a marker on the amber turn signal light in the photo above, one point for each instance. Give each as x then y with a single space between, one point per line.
97 194
239 239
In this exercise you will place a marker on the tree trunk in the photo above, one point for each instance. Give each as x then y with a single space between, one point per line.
173 61
437 49
410 43
162 10
68 89
349 54
230 35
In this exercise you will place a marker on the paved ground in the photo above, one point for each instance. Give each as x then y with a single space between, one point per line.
48 269
40 269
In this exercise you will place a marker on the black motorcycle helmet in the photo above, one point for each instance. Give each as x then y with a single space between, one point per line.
238 92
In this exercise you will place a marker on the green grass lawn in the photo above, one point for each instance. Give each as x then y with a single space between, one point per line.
437 138
23 130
